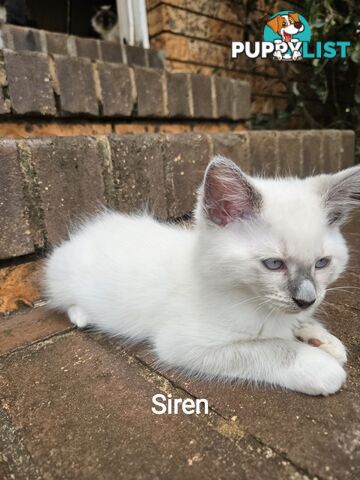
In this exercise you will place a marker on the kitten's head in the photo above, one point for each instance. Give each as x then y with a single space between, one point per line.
279 239
104 19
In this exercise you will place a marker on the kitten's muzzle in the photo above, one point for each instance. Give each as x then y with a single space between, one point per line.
300 302
302 290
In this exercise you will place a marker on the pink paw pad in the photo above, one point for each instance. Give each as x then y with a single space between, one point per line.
315 342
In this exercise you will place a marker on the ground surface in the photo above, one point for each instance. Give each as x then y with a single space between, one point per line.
77 406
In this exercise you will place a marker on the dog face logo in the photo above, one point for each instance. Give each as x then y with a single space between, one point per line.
286 25
287 30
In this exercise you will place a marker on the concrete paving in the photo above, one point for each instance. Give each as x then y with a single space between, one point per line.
75 405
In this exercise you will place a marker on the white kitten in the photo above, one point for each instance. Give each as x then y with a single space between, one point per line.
231 296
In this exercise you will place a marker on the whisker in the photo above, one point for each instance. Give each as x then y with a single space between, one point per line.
244 302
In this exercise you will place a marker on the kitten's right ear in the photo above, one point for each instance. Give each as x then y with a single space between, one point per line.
341 193
228 194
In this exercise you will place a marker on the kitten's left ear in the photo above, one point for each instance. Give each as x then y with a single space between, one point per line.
341 193
227 194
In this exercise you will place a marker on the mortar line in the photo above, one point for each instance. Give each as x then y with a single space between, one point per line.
65 332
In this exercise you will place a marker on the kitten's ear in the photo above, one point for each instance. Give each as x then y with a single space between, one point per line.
228 194
341 193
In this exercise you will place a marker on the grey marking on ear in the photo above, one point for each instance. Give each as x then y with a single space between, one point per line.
341 193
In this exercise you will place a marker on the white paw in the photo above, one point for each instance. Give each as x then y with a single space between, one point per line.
326 341
315 372
296 55
278 55
77 316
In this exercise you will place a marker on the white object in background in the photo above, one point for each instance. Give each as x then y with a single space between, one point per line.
2 22
132 21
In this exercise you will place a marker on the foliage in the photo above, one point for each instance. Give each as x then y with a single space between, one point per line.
336 81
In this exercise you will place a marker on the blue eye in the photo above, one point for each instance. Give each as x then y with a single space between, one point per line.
322 262
273 263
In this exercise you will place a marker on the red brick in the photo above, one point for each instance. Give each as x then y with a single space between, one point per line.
139 173
76 85
224 97
290 153
186 157
135 56
242 100
87 47
347 152
16 232
111 52
150 92
31 326
202 95
70 180
263 152
179 94
233 146
29 83
117 94
331 150
57 43
311 152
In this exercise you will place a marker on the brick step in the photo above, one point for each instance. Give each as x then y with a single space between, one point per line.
22 39
57 389
58 86
57 383
48 182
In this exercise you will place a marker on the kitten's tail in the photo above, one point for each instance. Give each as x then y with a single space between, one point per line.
57 278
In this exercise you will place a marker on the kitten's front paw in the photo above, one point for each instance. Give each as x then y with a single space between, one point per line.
319 337
77 316
315 372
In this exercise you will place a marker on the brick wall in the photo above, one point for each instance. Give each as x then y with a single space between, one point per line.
47 183
196 37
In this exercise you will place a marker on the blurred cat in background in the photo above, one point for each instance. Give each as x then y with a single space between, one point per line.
105 23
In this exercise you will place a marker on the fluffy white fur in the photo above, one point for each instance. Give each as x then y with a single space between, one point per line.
202 295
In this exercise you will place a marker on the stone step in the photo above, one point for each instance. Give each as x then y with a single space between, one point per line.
47 183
